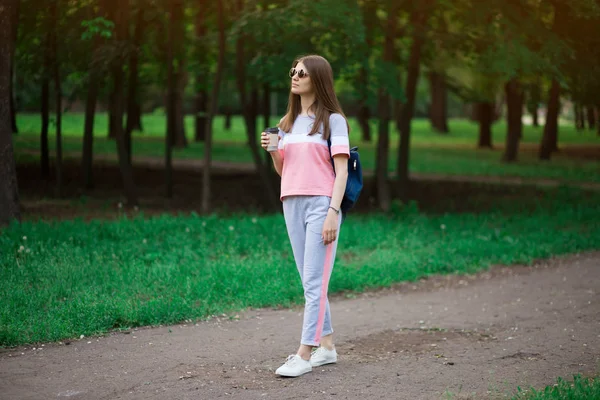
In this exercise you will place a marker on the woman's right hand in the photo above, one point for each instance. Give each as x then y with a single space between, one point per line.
264 140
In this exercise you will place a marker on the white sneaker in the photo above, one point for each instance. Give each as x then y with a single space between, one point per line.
322 356
294 366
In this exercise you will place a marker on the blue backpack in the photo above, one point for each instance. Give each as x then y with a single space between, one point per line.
354 184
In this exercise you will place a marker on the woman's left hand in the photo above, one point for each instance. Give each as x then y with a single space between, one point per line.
330 228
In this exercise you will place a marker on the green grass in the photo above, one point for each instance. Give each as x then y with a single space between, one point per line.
62 279
463 132
579 389
432 153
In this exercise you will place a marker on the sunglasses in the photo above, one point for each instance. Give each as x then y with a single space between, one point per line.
301 73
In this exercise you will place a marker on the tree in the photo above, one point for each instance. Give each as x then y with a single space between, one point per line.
534 98
175 69
174 21
550 137
249 106
97 30
419 18
384 110
598 117
439 54
514 106
438 111
579 117
549 142
369 15
201 100
485 115
13 109
121 18
177 63
214 101
468 30
9 191
134 110
45 100
54 18
119 14
591 117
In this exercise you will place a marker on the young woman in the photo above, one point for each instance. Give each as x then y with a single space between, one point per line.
311 193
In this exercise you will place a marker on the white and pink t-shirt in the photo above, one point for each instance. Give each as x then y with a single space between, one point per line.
307 169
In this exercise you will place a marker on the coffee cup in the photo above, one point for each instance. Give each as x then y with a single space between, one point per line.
273 139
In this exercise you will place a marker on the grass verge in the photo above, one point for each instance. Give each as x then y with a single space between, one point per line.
62 279
579 389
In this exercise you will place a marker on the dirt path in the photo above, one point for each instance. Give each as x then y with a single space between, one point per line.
473 337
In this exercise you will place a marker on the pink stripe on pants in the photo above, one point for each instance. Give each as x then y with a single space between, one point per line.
304 219
324 287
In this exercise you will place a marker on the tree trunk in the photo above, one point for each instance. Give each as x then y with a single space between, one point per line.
45 102
249 111
227 120
88 133
533 102
87 159
363 108
9 189
121 25
579 117
171 97
419 18
112 114
134 117
534 116
550 137
201 102
266 109
201 110
214 101
591 117
371 23
266 105
250 114
397 107
364 114
485 112
45 114
13 107
181 81
383 146
384 197
598 118
439 102
514 103
177 81
113 14
54 13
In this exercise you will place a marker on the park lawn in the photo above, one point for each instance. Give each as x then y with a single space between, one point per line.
578 389
59 280
462 132
431 153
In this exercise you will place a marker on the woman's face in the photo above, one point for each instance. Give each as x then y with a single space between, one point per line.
301 86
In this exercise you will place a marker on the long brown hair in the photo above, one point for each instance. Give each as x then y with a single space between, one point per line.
326 102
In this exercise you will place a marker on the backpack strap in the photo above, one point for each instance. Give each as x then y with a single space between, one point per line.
330 156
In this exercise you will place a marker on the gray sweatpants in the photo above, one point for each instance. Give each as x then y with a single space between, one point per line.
304 218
